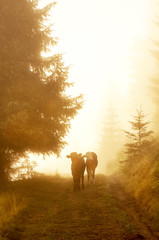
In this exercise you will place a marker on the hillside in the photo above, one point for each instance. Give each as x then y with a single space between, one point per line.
46 208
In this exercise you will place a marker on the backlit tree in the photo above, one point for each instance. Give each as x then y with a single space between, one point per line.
139 139
35 112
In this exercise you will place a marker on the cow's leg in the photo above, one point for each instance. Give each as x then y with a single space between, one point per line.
78 184
93 175
88 175
74 186
82 181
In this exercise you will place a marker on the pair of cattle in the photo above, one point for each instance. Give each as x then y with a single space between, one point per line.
78 167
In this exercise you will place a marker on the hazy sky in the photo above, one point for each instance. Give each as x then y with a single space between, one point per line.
98 40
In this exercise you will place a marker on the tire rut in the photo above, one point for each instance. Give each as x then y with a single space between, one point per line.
127 203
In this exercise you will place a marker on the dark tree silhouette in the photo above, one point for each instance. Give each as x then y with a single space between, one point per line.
35 112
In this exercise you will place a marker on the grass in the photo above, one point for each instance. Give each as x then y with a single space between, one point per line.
140 181
46 208
10 205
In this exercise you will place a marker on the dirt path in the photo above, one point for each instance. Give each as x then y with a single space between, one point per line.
128 205
102 212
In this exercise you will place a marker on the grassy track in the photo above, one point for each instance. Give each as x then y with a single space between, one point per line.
51 210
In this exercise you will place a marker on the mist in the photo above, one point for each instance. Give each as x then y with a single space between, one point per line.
111 63
79 133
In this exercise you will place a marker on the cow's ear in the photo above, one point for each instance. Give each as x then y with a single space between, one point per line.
68 156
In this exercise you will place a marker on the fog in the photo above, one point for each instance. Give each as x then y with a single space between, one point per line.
108 46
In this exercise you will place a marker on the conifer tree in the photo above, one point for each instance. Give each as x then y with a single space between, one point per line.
139 141
35 112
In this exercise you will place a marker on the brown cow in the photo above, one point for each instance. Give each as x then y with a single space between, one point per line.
77 169
91 164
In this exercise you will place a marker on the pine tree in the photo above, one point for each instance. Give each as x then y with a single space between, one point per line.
139 141
35 112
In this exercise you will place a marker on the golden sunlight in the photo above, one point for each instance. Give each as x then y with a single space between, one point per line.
79 131
97 40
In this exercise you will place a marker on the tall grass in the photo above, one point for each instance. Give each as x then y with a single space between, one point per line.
141 179
10 205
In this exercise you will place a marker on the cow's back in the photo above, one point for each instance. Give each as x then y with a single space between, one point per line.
95 158
91 161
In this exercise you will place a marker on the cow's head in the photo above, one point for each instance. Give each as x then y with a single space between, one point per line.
73 156
88 155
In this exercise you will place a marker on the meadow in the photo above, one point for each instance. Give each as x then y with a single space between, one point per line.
46 208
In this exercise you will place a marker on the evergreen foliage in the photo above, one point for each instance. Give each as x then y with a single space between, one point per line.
35 112
139 142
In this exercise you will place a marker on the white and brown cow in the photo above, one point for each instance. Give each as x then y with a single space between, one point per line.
91 164
77 169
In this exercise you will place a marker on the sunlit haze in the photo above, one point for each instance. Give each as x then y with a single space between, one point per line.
98 40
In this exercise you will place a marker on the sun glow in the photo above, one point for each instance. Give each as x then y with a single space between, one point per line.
97 39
